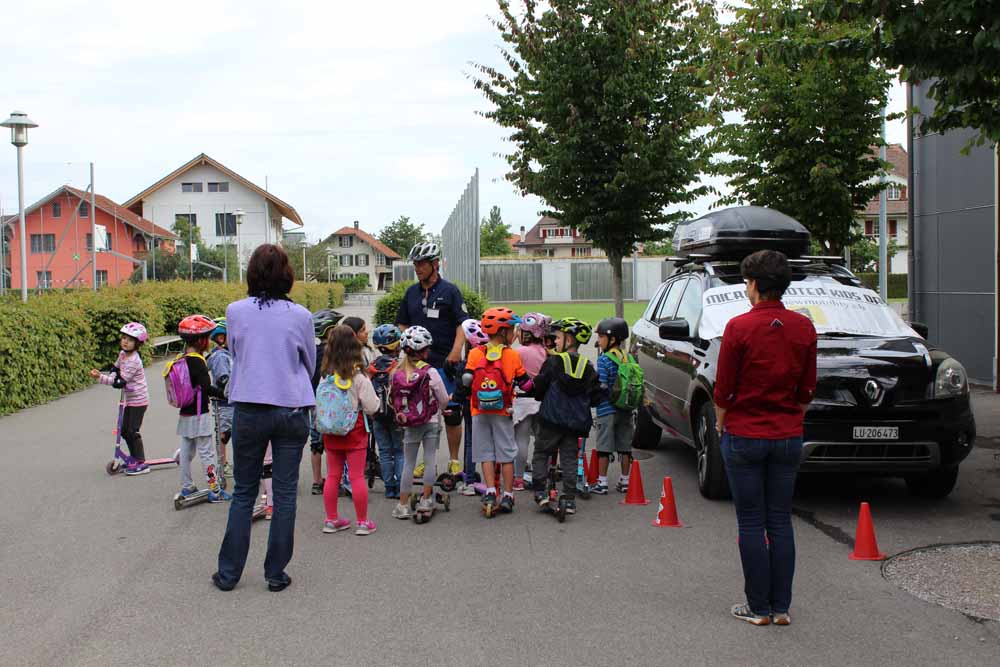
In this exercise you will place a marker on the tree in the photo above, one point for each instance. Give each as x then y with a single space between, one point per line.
401 235
494 235
809 119
604 99
864 254
662 248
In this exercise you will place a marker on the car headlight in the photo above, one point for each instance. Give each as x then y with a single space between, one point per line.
951 380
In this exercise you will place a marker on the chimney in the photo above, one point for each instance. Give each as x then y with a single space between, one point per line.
356 224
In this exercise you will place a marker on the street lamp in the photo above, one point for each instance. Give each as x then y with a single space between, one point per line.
239 215
19 124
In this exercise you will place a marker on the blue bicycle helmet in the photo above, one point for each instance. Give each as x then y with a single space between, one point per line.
220 327
386 335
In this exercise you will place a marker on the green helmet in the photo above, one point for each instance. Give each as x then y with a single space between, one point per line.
578 329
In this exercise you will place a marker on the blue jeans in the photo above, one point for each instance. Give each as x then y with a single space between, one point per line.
390 453
762 478
254 426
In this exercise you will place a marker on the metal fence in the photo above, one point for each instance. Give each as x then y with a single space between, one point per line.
460 238
402 272
512 282
592 281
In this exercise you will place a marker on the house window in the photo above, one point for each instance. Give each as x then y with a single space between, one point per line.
893 192
56 209
582 252
191 187
225 224
218 187
43 243
870 229
557 232
361 260
346 241
84 209
545 252
44 279
346 260
381 260
102 278
90 243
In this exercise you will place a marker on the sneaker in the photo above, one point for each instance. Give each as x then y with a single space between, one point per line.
781 619
336 525
426 503
507 504
137 469
468 490
268 511
401 512
599 489
621 487
744 613
317 489
541 499
227 470
187 491
366 527
518 484
527 478
570 506
490 498
418 472
454 466
219 496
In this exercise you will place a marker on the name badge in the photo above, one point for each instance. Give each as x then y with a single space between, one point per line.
433 313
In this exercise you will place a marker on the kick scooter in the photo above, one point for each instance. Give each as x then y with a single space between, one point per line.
425 515
121 461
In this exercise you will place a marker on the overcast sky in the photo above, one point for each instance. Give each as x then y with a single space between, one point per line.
351 111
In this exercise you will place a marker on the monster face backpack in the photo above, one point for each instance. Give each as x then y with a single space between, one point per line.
491 392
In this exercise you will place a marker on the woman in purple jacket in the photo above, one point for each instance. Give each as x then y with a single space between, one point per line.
271 340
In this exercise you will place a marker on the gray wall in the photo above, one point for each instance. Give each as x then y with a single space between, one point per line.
955 245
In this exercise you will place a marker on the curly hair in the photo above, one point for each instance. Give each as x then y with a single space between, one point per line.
343 352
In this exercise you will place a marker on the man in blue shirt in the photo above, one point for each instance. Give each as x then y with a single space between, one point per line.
437 305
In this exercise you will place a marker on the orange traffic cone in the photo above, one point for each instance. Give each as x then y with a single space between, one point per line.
865 545
594 470
635 495
666 516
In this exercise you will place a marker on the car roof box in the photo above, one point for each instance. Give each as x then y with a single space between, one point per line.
734 233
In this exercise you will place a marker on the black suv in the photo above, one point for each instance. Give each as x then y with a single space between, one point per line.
886 401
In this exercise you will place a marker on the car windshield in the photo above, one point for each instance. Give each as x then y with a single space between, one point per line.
834 308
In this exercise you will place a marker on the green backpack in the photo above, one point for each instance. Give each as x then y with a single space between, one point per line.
627 392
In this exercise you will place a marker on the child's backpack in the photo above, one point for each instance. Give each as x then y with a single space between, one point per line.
490 389
177 377
412 399
381 371
566 409
627 391
336 414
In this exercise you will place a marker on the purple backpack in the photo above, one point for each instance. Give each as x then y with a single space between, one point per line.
180 392
412 398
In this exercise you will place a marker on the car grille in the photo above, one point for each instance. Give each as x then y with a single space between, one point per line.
864 452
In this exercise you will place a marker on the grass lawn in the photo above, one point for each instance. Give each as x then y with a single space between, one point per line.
592 313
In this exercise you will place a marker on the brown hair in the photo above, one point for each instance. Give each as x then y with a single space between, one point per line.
769 268
343 352
269 275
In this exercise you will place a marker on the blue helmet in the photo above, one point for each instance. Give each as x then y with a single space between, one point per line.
386 335
220 327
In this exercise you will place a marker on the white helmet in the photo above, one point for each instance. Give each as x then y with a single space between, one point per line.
415 339
425 251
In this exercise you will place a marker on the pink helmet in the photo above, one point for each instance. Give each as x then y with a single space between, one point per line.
537 324
474 333
135 330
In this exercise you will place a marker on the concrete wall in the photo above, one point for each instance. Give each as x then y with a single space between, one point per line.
566 280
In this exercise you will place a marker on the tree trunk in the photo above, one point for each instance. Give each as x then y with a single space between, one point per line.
615 259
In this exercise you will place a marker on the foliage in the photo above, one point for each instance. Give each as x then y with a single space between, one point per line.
803 141
896 287
356 283
388 306
401 235
317 296
864 254
494 235
658 248
604 100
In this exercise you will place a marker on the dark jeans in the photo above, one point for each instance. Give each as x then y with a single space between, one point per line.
548 441
131 423
390 452
762 478
254 426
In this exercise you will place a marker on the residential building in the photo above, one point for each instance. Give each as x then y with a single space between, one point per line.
354 251
550 238
896 208
59 241
209 194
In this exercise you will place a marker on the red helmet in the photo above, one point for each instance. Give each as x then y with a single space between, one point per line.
195 325
495 319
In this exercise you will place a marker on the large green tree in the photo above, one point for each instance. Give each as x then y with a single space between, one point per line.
494 235
604 99
802 121
401 235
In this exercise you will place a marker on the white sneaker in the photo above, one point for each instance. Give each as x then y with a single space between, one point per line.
401 512
469 490
426 503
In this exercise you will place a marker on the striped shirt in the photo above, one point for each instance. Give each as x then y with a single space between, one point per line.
130 366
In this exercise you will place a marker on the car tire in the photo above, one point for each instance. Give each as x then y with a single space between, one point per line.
647 433
712 481
935 484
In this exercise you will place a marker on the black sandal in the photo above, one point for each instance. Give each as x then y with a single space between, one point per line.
318 488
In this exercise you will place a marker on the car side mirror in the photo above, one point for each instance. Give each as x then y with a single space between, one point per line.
920 328
675 330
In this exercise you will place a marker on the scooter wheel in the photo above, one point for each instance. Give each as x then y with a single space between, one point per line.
489 510
112 468
561 511
446 482
178 503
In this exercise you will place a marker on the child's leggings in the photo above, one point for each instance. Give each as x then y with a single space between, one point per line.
268 485
428 435
522 436
355 459
206 452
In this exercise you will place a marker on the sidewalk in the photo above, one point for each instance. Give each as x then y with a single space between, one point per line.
986 408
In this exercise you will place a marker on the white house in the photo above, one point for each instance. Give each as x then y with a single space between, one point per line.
354 251
209 193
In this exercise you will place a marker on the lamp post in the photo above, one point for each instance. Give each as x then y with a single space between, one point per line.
239 214
19 124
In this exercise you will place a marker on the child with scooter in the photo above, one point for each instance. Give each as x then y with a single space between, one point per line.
220 365
388 434
344 398
418 399
323 322
533 329
621 381
128 374
567 387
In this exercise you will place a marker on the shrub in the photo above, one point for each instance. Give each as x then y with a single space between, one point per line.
316 296
896 288
387 307
357 283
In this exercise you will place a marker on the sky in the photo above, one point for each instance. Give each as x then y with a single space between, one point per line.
348 111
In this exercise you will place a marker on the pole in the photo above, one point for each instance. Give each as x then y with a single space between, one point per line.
239 248
152 224
328 278
20 230
911 229
225 245
190 245
303 262
883 228
93 228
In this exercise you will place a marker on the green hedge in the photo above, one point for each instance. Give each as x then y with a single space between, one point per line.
897 284
48 345
388 306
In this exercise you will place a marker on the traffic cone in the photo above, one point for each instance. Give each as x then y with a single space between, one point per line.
594 470
865 545
666 516
635 494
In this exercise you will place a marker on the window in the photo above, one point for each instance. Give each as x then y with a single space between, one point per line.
871 229
893 192
381 260
361 260
84 209
557 232
56 209
346 241
668 305
218 187
90 243
102 278
545 252
653 303
346 260
190 187
225 224
43 243
690 306
44 279
582 252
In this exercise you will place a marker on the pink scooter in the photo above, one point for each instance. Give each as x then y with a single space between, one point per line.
121 460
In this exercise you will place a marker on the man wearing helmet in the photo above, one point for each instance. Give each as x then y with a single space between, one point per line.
437 305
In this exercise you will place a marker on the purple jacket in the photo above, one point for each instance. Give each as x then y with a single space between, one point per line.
274 353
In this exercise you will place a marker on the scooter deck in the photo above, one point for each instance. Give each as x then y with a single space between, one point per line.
196 498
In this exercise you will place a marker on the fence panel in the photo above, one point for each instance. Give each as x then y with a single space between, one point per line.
402 272
512 282
460 238
591 281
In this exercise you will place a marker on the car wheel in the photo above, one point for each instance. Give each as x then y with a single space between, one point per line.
935 484
647 433
712 480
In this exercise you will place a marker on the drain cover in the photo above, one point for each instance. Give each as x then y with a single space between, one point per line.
964 577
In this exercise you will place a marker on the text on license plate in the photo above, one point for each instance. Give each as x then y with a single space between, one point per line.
876 433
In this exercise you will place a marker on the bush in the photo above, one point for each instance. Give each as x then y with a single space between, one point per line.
388 306
897 287
317 296
357 283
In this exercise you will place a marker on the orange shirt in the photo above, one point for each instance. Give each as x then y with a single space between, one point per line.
510 366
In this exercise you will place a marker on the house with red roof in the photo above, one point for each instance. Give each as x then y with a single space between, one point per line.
896 207
354 251
59 242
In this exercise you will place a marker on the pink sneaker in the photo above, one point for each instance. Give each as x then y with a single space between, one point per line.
365 527
336 526
518 484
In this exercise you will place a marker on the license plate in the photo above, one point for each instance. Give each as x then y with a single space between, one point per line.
876 433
